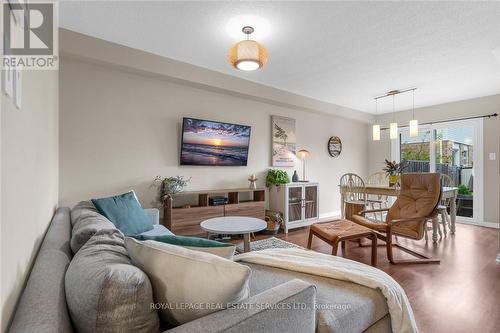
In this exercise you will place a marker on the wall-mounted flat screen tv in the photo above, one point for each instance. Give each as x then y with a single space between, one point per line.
206 142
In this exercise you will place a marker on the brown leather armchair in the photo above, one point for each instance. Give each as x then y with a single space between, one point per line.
417 202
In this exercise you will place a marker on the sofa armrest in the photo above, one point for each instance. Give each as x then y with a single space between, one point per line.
153 215
289 307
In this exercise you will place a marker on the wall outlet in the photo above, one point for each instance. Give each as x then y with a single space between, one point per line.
493 156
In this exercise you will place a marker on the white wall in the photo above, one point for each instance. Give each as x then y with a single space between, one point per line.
118 130
378 150
29 179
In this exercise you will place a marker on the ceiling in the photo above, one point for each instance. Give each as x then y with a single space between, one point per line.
344 53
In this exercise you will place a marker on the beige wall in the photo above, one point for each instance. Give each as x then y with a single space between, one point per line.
118 130
29 179
378 150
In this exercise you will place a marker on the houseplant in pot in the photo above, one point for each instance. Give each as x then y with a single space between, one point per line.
276 177
465 201
168 186
393 170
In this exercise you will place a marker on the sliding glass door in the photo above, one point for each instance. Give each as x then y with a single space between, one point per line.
455 151
416 150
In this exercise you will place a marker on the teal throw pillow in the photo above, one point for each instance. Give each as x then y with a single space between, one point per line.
225 250
125 212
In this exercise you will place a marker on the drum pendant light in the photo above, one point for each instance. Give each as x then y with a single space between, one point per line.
247 55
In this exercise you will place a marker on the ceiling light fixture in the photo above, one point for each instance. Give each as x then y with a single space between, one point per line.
413 121
393 126
247 55
376 126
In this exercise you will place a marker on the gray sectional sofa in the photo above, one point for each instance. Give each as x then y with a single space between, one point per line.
332 305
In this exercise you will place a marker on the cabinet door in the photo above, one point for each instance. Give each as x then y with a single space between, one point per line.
310 201
294 203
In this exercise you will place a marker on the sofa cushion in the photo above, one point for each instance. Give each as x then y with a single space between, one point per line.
105 292
224 250
182 276
42 306
86 221
125 212
341 306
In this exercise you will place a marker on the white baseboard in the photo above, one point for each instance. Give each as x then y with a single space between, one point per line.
329 216
471 221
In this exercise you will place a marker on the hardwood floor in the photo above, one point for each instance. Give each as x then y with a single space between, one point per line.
462 294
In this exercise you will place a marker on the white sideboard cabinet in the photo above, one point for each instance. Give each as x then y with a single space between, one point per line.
298 202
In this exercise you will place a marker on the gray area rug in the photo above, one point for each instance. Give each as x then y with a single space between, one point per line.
268 243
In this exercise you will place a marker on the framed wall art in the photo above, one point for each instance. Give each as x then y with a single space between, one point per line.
283 141
334 146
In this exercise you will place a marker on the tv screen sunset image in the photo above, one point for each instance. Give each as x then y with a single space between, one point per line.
207 142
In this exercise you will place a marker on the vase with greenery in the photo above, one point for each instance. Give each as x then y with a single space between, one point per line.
276 177
393 170
168 186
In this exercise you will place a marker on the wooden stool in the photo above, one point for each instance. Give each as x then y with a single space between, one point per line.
341 231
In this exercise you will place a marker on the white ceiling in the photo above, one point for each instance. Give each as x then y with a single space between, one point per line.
344 53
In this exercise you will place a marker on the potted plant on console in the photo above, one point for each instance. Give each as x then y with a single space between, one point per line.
276 177
168 186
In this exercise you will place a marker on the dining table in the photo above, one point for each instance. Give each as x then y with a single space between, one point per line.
447 192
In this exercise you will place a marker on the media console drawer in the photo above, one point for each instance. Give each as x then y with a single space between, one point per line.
187 220
252 209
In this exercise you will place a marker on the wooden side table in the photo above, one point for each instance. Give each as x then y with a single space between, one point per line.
341 231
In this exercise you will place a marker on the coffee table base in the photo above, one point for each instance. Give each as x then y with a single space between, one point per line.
246 242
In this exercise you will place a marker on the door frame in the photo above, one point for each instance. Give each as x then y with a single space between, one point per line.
478 162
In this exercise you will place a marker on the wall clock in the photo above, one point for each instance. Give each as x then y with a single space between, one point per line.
334 146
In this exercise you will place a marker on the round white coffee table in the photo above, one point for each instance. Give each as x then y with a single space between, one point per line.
234 225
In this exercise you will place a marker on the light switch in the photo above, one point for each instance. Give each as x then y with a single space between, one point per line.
493 156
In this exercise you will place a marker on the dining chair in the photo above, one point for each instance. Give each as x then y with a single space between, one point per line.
445 181
354 196
416 203
353 192
380 179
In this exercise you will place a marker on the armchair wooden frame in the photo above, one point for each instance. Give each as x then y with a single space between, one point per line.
387 238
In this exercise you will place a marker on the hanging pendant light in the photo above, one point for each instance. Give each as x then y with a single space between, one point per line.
376 126
247 55
393 127
413 122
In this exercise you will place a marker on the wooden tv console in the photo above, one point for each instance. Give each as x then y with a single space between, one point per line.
186 220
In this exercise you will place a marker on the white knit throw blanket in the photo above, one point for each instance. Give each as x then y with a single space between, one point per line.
314 263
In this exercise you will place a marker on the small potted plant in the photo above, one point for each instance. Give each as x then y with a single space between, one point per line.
168 186
393 170
465 201
276 177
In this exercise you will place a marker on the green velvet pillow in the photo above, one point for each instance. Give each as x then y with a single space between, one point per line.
125 212
225 250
